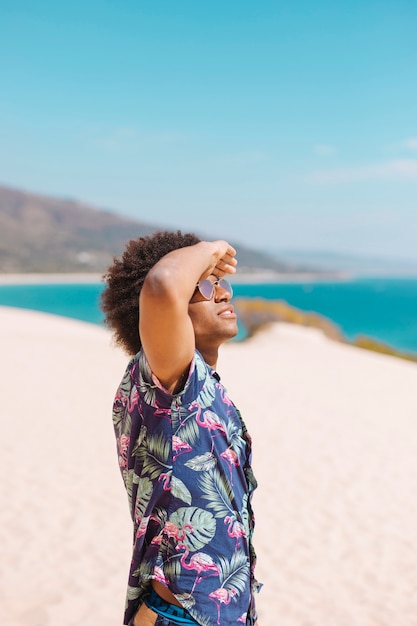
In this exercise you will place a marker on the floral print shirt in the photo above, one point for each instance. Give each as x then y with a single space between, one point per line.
185 461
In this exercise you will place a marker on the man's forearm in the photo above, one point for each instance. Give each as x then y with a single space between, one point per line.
178 272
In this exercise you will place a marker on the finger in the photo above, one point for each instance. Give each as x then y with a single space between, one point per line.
224 268
231 260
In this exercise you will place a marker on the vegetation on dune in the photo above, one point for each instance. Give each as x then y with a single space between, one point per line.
368 343
255 313
258 313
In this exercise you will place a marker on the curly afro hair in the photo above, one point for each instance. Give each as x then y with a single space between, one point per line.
124 280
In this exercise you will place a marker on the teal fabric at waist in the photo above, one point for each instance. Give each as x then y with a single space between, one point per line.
176 614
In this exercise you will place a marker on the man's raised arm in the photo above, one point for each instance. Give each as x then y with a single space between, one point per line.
165 328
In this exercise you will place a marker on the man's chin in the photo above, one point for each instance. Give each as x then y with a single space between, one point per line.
233 331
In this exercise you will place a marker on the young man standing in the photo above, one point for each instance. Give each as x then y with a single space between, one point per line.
184 451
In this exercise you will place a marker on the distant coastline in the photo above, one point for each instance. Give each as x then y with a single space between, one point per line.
251 278
289 277
50 279
243 277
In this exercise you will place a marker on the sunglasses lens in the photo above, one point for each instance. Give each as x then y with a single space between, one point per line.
206 289
224 284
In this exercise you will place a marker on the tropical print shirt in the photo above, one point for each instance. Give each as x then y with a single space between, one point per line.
185 461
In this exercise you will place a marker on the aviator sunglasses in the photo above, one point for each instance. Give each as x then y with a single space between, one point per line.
207 288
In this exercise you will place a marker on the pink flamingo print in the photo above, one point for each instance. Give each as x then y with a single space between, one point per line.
156 541
173 532
123 443
164 413
242 618
143 525
120 397
159 575
165 478
223 394
231 459
179 446
210 420
133 399
221 596
202 563
236 529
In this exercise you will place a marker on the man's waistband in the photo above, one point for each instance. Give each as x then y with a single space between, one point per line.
176 614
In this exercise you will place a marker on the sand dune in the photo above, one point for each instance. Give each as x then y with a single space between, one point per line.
335 441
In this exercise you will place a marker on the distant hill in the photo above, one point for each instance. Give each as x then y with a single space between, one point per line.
44 234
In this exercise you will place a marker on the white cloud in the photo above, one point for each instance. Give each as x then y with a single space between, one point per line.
410 143
395 170
324 149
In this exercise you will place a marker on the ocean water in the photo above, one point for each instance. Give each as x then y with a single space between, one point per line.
382 308
78 301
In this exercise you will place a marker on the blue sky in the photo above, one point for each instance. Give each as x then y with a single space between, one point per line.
284 125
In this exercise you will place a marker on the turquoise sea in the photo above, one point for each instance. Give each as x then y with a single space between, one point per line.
382 308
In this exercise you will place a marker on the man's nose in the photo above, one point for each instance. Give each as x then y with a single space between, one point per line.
221 294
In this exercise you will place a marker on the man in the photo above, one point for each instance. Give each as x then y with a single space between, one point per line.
183 448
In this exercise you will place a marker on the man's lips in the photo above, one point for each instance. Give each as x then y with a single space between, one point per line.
227 312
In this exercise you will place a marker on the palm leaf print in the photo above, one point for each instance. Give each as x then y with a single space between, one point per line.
172 569
186 600
202 462
144 570
171 565
133 593
119 413
234 437
139 440
217 490
199 526
234 573
122 421
154 455
244 518
245 433
200 369
128 481
121 417
185 426
203 620
147 392
180 491
160 515
206 396
143 495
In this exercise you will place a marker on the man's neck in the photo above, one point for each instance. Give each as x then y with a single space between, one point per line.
210 355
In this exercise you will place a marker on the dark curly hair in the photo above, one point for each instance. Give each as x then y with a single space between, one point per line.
124 280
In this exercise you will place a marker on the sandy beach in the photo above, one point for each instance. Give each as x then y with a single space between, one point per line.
335 441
